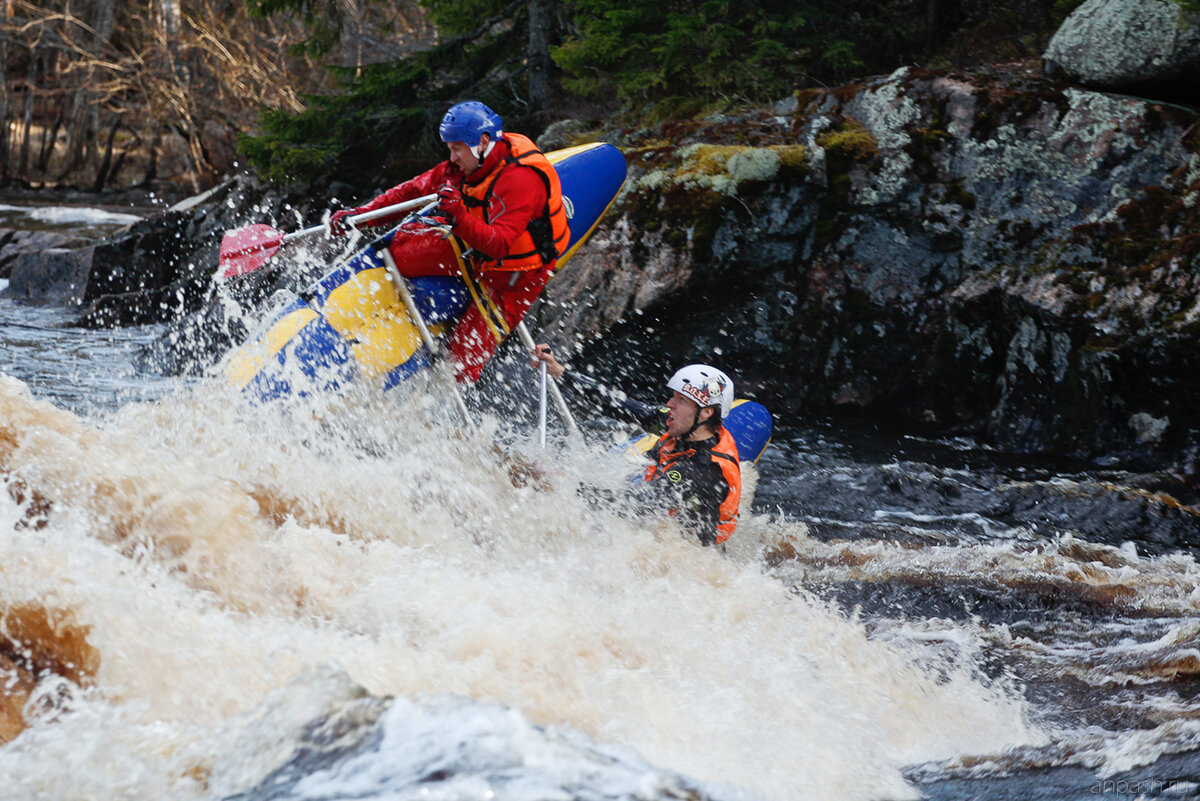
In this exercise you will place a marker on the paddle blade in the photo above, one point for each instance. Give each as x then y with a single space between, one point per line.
247 249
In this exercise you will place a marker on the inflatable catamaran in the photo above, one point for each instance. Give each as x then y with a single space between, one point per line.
352 324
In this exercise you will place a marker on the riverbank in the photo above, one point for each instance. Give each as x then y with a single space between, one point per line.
137 201
980 253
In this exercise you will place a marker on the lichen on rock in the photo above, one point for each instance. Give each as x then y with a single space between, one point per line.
1145 46
992 251
720 168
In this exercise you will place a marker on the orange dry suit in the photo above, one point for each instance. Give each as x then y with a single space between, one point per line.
702 481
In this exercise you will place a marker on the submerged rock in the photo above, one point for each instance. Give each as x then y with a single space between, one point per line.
373 747
917 502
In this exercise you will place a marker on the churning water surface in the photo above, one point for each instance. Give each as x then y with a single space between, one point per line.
202 599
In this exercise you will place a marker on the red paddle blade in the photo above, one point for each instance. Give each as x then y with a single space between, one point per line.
247 249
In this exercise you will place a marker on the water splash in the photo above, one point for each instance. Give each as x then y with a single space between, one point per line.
215 554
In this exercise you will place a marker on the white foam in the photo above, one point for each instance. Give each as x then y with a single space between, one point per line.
74 214
220 553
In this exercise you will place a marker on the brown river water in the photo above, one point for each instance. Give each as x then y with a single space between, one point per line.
204 599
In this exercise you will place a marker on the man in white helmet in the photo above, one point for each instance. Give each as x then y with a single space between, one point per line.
694 464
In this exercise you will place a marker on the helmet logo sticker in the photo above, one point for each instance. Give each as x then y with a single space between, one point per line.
706 395
675 476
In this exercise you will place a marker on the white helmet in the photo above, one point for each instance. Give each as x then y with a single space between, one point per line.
706 385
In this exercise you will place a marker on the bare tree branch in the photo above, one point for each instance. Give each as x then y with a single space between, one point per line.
201 70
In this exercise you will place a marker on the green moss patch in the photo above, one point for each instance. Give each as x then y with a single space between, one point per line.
849 140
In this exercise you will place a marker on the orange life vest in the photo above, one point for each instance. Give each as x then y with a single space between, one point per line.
725 455
548 234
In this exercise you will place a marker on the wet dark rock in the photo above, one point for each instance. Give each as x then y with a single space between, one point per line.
15 244
900 501
1102 512
1145 47
159 269
1043 774
987 253
145 274
50 276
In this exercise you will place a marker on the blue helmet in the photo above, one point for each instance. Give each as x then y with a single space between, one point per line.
468 121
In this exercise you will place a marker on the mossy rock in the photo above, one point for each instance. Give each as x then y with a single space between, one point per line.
851 141
722 169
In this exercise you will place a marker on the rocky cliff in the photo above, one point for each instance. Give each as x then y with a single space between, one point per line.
982 252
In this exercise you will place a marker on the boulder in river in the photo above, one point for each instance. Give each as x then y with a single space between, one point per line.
15 243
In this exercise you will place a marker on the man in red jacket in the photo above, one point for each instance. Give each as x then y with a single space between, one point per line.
503 203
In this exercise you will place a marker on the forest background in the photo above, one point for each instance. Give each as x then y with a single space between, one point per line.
172 96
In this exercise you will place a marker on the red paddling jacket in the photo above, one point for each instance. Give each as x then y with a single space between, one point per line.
517 226
703 480
547 235
517 222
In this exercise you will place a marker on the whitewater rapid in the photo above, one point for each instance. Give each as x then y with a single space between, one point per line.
210 580
73 216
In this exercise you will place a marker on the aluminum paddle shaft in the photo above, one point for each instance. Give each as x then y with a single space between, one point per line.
559 403
246 249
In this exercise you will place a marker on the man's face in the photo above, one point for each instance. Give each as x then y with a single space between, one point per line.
463 158
681 414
